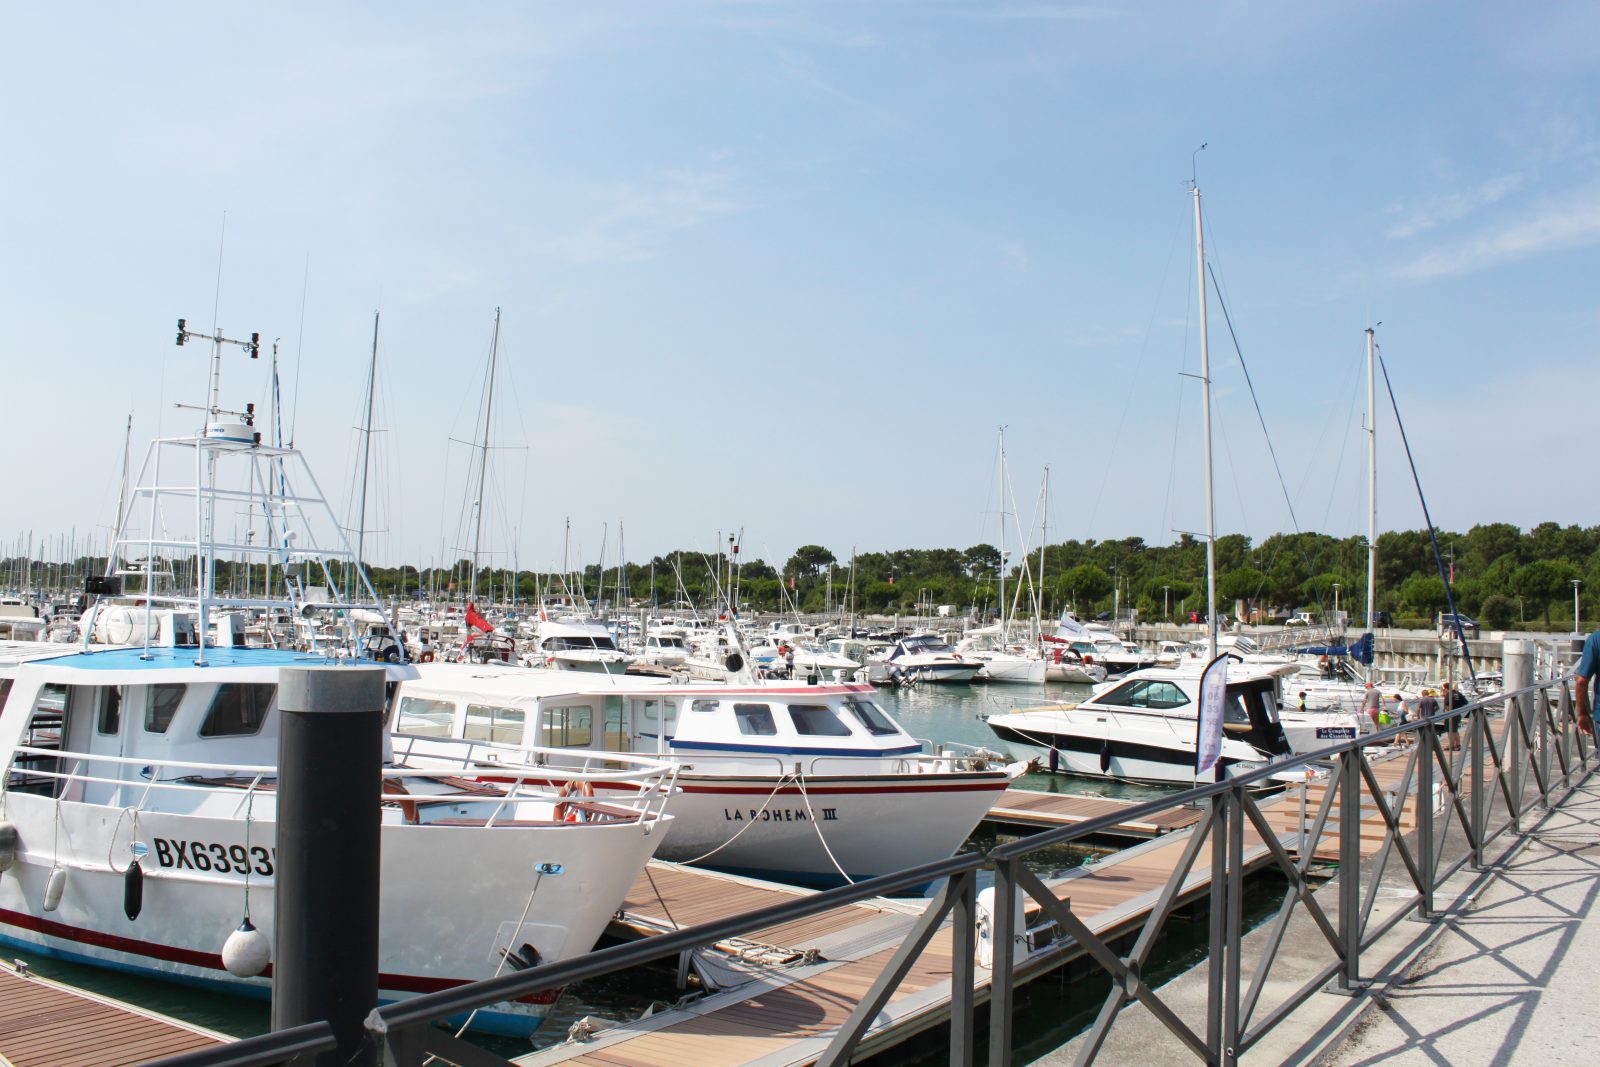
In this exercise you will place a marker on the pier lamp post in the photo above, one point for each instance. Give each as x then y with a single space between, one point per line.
1336 598
1166 612
1577 627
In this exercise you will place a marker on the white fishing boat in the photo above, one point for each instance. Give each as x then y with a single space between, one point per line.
810 783
138 790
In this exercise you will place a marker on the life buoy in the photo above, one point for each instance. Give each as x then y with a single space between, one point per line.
426 656
568 810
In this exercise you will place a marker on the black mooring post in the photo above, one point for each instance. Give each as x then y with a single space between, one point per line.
330 777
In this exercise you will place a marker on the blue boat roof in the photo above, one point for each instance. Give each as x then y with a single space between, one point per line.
139 659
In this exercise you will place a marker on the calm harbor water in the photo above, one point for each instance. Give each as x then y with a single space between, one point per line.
936 713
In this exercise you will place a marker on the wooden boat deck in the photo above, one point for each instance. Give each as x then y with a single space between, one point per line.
785 1016
1038 810
47 1024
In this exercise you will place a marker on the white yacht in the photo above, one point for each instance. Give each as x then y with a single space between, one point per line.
810 783
571 643
1143 727
926 658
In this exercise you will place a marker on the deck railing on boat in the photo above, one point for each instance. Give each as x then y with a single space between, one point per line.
1521 754
59 773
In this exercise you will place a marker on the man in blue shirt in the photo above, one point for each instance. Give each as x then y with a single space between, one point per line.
1588 668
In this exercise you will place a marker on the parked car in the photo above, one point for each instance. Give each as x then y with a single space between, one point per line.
1447 624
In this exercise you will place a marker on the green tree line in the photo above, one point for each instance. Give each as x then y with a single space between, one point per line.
1502 575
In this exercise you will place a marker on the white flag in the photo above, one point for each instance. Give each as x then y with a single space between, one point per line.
1213 700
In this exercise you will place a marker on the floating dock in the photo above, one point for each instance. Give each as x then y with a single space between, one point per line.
801 980
1036 810
47 1024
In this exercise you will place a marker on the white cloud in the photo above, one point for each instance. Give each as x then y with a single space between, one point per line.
1452 207
1570 223
640 216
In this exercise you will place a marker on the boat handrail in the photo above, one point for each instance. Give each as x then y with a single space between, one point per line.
922 763
647 804
688 759
643 766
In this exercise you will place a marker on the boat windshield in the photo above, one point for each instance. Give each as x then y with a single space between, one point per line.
817 720
872 717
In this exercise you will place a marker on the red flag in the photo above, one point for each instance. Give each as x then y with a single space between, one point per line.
474 619
791 581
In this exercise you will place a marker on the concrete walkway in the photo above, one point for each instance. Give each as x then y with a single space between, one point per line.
1514 978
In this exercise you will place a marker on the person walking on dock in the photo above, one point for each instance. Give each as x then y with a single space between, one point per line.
1372 704
1588 667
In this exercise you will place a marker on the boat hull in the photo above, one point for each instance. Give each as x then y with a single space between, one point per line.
437 929
872 825
1130 756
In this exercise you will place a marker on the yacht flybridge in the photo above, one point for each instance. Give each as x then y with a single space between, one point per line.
811 783
138 784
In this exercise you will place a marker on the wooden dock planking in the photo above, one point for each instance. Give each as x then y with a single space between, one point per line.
787 1017
47 1024
1039 810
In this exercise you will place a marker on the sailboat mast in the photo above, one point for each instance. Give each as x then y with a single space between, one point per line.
1044 539
366 447
1003 626
1205 392
1372 483
483 463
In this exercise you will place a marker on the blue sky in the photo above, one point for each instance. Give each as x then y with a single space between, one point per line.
786 267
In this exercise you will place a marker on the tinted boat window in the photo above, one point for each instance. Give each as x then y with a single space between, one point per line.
871 716
755 719
110 710
238 709
161 704
817 720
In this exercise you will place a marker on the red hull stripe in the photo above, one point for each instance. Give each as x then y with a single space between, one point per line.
403 983
761 791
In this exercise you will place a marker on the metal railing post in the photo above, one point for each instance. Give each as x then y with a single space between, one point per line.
1541 734
1564 736
1424 809
1517 660
1479 723
1002 976
1216 988
1235 927
963 968
1348 981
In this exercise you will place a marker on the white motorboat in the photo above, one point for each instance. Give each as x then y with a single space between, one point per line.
664 649
571 643
926 658
1143 727
810 783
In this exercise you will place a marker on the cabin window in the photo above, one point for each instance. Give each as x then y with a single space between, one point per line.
660 710
871 717
817 720
704 705
238 709
569 727
161 704
429 718
501 726
110 717
5 691
1156 694
755 720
